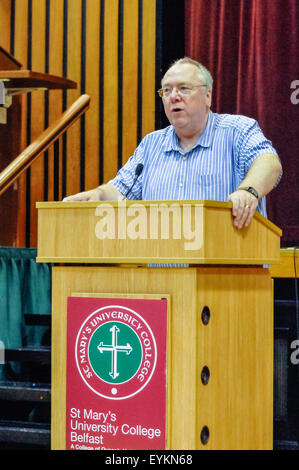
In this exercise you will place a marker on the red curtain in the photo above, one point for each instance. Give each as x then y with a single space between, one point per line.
251 47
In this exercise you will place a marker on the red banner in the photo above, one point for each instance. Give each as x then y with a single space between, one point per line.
116 373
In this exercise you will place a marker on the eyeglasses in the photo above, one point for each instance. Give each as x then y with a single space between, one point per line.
184 90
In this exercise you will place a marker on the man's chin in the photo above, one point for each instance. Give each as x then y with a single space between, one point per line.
178 122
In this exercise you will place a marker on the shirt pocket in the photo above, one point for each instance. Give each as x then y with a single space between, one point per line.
210 186
209 180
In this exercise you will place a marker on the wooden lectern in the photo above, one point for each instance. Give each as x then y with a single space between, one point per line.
220 355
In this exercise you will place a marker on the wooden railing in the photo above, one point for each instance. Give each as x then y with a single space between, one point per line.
43 142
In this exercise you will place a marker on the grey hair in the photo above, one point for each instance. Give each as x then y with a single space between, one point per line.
203 73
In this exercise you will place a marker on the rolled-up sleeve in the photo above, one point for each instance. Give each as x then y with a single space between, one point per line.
250 144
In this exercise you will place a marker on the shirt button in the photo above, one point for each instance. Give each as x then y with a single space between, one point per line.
181 185
184 158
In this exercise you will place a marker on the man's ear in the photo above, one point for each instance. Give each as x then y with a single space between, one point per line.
209 98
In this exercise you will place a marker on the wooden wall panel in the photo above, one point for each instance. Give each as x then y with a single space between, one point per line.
108 47
111 88
9 199
148 71
73 70
35 184
130 78
54 98
5 24
20 52
92 161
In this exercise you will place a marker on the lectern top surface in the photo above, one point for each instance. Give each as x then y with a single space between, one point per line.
204 203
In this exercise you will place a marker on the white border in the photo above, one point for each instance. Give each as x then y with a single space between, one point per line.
155 348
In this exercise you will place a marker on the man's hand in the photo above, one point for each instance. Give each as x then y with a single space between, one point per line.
105 192
92 195
244 206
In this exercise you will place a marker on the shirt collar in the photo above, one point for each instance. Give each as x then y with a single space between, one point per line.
205 140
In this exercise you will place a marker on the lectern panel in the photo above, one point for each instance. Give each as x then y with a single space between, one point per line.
194 232
221 358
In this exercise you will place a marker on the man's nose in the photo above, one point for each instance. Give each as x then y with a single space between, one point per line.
174 95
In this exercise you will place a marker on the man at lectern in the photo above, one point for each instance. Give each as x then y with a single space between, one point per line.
201 155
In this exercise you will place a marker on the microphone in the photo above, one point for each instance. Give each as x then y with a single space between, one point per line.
138 172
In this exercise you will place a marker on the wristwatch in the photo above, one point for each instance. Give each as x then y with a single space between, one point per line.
251 191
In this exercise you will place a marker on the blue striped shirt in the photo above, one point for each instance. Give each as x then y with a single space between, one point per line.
212 169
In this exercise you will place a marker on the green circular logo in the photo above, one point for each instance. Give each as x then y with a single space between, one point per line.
115 352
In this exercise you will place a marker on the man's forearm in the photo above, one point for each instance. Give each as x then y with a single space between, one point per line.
107 192
263 174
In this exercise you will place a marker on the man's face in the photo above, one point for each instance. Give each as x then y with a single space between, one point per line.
186 113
